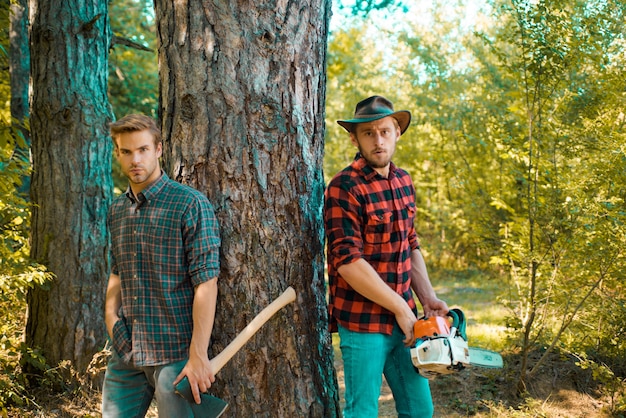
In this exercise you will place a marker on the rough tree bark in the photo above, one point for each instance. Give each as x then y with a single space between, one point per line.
242 111
71 182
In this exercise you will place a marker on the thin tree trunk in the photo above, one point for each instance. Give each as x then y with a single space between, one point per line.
71 183
19 69
242 109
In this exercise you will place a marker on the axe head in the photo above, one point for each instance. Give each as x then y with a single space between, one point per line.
209 406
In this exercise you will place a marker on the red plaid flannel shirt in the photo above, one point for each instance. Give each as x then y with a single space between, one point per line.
370 217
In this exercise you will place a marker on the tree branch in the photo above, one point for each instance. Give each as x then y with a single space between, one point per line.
118 40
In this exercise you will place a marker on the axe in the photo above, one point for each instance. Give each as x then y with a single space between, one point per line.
211 406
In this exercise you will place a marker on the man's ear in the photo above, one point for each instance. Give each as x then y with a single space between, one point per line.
159 149
353 139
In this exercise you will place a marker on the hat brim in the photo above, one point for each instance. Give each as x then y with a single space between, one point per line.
402 116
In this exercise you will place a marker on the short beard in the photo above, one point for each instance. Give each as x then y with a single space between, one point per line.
374 164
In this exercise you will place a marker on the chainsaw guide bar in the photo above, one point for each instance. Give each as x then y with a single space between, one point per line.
485 358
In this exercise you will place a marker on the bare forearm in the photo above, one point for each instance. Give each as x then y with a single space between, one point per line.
423 288
204 302
420 282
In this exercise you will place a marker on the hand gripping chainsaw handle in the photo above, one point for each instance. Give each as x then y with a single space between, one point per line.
441 347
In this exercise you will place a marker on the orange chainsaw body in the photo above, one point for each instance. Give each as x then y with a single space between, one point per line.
436 326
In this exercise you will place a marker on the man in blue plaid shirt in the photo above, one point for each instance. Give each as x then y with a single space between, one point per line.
162 291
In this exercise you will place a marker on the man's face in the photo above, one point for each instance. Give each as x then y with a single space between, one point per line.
139 158
377 141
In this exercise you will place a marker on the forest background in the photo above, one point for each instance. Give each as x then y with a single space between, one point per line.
517 151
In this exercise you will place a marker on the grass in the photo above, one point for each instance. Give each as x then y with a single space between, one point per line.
477 296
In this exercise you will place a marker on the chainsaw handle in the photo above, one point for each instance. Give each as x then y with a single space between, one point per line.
439 326
458 322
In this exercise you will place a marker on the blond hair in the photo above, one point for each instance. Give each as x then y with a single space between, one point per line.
135 123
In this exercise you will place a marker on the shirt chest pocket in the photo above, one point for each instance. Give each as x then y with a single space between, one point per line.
408 213
378 226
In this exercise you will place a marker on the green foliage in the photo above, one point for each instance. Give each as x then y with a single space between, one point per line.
348 78
357 67
133 73
18 272
517 153
564 235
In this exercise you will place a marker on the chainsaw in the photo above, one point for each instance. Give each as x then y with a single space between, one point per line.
441 347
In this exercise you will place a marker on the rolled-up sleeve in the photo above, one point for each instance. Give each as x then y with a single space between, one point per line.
202 241
342 216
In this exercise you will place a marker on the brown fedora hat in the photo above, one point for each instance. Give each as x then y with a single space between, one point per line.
374 108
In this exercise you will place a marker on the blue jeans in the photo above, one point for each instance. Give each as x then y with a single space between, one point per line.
366 357
128 390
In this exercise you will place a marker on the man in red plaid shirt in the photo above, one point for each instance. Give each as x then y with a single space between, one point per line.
374 265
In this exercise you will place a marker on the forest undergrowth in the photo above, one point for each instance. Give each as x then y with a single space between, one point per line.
561 389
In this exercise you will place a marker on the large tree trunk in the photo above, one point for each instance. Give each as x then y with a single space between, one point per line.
242 109
71 182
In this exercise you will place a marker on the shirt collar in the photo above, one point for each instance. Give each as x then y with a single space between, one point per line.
150 191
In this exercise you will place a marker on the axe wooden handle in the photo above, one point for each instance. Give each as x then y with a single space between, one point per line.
242 338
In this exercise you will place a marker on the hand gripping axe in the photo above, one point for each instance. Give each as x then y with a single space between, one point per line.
211 406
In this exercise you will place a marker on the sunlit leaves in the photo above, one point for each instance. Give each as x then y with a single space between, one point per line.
356 68
133 73
517 150
18 273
